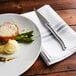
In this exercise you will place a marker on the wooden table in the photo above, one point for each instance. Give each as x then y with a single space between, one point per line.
67 10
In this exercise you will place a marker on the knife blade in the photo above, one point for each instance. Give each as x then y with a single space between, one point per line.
47 24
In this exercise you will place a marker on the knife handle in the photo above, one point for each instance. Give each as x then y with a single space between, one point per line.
55 34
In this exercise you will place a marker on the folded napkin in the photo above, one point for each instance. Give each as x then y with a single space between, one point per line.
51 50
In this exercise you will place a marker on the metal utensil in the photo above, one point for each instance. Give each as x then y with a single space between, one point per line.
46 23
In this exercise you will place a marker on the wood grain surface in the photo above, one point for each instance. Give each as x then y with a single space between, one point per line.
67 10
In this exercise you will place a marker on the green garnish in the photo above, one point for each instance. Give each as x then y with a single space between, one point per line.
25 37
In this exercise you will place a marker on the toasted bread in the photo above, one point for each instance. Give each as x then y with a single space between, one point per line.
8 31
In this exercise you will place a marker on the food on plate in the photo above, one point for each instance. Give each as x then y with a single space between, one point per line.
25 37
8 31
9 48
9 38
4 59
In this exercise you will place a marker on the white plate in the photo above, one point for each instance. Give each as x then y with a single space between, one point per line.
27 53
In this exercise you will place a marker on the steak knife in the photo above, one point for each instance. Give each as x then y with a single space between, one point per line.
47 24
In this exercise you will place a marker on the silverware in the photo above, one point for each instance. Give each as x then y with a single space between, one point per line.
46 23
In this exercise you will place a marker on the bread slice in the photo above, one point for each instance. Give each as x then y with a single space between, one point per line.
8 31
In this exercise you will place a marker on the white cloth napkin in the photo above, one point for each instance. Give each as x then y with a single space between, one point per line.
51 50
